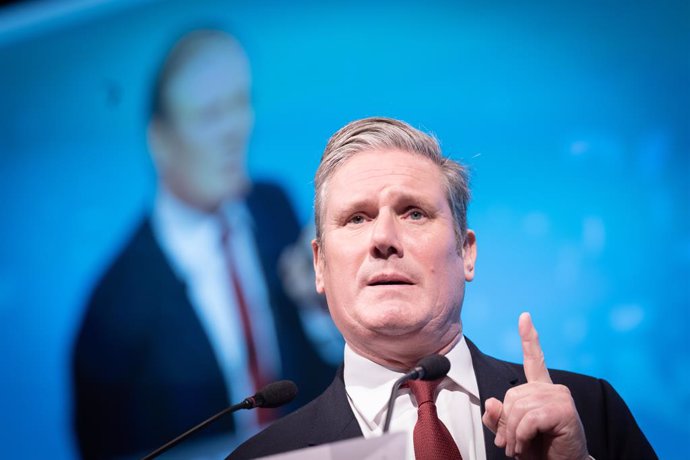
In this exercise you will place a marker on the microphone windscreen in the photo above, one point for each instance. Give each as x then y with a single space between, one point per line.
276 394
435 367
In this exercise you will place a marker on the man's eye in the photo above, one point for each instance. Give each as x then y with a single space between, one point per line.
416 214
356 219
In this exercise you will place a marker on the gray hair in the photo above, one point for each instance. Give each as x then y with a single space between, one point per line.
379 133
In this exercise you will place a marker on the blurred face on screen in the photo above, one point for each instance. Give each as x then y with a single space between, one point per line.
388 259
200 147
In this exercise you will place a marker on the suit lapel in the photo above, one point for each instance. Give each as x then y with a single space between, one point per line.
494 378
333 418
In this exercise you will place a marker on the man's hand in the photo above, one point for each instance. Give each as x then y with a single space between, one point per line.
537 420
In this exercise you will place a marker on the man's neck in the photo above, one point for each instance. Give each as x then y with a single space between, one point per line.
401 359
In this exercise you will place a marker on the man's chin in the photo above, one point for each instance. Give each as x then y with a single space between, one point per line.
227 192
396 329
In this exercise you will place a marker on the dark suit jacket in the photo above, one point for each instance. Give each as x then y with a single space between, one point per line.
610 428
143 368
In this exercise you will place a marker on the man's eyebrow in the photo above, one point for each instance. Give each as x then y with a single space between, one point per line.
403 199
410 199
350 207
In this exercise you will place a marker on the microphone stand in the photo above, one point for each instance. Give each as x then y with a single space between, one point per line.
246 404
274 394
391 401
430 367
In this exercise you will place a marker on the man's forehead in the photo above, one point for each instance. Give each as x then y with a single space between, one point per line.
384 165
217 68
391 173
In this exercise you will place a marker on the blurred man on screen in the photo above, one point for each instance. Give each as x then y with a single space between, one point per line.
192 316
392 254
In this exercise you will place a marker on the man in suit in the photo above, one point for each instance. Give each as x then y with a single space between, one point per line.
192 316
392 254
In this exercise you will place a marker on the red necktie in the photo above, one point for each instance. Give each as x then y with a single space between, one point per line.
432 440
259 375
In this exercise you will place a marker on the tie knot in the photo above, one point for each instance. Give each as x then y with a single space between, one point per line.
423 390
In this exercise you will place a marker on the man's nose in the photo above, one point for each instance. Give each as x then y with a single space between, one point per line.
385 237
234 124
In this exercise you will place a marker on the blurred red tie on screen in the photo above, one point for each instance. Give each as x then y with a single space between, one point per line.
259 374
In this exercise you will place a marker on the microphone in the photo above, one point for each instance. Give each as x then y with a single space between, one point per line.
430 367
274 394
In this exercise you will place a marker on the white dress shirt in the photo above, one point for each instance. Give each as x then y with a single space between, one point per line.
368 387
192 243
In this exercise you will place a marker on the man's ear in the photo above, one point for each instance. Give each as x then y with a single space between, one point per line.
317 260
469 254
159 144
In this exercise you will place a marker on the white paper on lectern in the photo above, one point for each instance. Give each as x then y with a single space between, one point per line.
390 446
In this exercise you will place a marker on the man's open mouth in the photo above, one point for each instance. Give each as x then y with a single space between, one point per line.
390 280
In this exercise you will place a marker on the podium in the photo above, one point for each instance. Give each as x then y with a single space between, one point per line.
389 446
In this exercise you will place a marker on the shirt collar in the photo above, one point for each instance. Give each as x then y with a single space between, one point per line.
190 236
369 384
461 369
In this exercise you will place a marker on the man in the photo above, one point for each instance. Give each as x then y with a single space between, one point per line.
392 254
192 316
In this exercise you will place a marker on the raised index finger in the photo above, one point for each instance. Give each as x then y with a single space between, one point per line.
533 356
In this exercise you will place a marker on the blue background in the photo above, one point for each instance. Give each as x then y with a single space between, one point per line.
573 116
